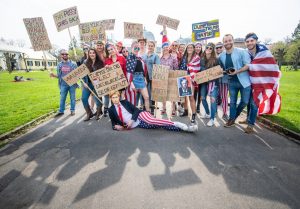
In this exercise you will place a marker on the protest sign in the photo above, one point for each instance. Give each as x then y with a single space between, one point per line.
133 30
169 22
209 74
108 24
108 79
205 30
172 94
73 77
92 31
160 76
66 18
37 33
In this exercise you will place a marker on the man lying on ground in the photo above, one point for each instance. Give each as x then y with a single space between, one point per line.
125 116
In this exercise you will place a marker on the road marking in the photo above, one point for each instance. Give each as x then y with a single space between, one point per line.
261 139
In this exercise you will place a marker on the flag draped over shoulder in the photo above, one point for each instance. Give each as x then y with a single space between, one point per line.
264 75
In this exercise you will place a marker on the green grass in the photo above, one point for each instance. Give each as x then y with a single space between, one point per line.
289 90
21 102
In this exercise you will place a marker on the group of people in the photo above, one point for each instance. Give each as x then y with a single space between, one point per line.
137 64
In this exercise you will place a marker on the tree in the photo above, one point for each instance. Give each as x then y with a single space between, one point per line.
10 61
79 53
267 41
279 50
293 54
74 43
296 34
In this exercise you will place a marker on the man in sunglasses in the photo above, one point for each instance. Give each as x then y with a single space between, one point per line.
238 79
64 68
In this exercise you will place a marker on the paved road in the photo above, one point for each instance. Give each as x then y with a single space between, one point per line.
68 163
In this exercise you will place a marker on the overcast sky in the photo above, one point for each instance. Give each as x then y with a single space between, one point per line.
269 19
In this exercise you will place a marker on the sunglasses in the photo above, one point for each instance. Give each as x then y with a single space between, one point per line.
175 45
219 47
85 49
64 54
124 51
209 48
136 48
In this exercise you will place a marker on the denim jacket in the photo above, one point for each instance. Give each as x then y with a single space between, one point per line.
150 60
240 58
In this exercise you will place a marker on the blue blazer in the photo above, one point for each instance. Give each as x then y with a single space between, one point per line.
114 117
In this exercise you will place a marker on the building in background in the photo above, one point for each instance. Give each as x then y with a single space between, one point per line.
24 58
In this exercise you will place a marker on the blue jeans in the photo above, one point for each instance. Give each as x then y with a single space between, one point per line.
203 93
86 94
252 111
234 88
64 89
106 101
213 105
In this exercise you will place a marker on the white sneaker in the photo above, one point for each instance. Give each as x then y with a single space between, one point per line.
192 128
206 116
180 125
211 122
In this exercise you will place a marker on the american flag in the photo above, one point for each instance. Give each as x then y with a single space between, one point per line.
264 75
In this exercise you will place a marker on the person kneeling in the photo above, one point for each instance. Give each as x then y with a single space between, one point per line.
125 116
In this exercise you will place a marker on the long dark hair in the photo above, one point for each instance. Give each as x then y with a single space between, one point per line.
212 61
185 54
98 62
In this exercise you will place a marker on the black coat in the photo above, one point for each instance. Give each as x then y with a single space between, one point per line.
114 117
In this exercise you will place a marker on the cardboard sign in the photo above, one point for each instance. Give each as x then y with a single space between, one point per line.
92 31
73 77
172 94
66 18
169 22
108 24
108 79
205 30
133 30
37 34
160 77
209 74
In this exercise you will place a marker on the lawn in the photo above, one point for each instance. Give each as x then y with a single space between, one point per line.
21 102
289 90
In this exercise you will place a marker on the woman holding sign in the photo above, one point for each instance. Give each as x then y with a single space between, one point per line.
93 63
191 63
150 59
137 73
211 88
113 56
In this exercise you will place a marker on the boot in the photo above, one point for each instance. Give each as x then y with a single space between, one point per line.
185 113
105 111
99 112
193 120
89 113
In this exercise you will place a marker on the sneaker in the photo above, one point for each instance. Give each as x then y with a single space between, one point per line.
163 112
105 112
173 113
72 113
180 109
243 122
229 123
249 129
210 123
180 125
225 118
206 116
58 114
184 113
192 128
193 120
